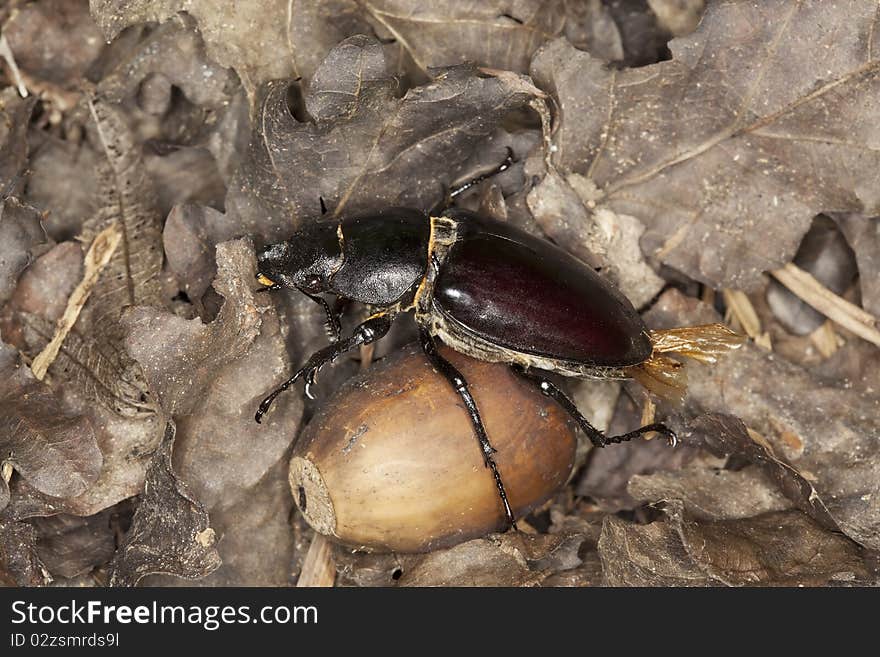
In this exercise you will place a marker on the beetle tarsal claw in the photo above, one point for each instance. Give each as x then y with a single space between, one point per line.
310 381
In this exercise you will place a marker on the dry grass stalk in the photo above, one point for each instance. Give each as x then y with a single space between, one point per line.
97 257
835 308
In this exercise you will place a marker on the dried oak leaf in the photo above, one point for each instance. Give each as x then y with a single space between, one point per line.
363 148
61 183
784 548
190 236
765 116
92 365
53 449
498 33
254 40
19 563
829 433
15 113
69 546
127 444
256 541
501 560
175 51
863 235
125 196
181 357
711 493
53 40
726 435
170 531
211 377
291 38
20 232
91 357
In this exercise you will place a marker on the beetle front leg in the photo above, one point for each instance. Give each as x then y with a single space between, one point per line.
598 438
331 324
458 382
369 331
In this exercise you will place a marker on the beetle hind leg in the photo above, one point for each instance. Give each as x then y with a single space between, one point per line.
458 382
598 438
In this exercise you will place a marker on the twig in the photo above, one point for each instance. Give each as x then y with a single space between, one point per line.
649 412
6 54
741 308
318 567
97 257
825 339
838 310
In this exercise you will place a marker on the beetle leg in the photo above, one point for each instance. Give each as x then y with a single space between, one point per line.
458 382
598 438
332 326
369 331
504 166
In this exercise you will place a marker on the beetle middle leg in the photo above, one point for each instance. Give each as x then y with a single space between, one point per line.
369 331
598 438
458 382
450 194
504 166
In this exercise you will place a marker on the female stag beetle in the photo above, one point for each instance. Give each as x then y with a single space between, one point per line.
483 287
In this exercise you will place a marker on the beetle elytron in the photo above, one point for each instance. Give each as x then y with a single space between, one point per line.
483 287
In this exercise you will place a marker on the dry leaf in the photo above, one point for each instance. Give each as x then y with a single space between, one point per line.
19 563
53 40
212 378
181 357
498 33
784 548
174 51
710 493
365 149
717 152
15 113
863 235
512 559
725 435
52 448
256 43
170 532
69 546
829 433
20 234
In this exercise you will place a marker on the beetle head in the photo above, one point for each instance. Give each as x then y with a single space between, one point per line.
306 261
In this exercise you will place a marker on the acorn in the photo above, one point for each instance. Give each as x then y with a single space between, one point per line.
391 461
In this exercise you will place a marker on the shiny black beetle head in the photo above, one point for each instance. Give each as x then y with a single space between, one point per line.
306 261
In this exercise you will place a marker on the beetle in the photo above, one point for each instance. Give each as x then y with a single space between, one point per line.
483 287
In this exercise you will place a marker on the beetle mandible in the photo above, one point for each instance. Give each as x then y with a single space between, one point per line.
485 288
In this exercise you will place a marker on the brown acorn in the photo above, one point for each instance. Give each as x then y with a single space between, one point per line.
391 463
